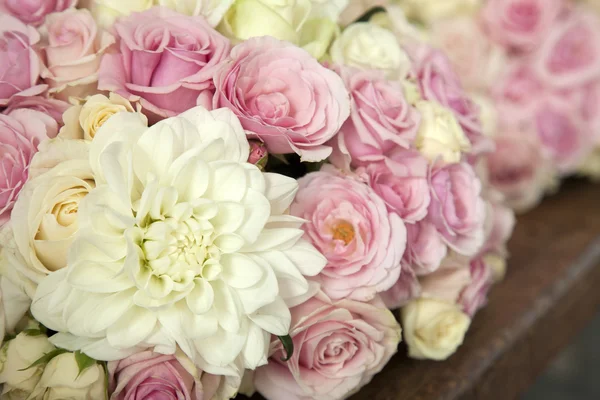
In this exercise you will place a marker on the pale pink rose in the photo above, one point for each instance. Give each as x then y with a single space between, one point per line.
447 282
517 92
518 168
72 49
283 96
457 208
52 107
520 24
588 101
402 182
570 55
351 226
33 12
19 63
152 376
21 132
425 248
357 8
476 59
501 221
381 119
167 61
405 289
562 133
439 82
474 295
339 347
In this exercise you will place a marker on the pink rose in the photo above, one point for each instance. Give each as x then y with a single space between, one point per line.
381 119
438 82
447 282
351 226
72 48
402 182
501 222
562 133
154 376
339 347
518 168
52 107
517 93
570 56
520 24
588 102
405 289
167 61
283 96
476 59
19 63
474 295
457 209
425 248
34 12
21 132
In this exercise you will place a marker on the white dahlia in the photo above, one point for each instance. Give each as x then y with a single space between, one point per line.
181 243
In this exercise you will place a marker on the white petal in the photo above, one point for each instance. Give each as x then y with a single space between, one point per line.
274 318
261 294
49 299
257 211
256 349
308 259
229 217
98 349
229 242
227 182
132 328
97 278
222 348
271 239
201 298
227 306
280 191
192 180
240 271
108 311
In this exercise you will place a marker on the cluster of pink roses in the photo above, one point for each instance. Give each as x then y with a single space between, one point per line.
396 202
536 65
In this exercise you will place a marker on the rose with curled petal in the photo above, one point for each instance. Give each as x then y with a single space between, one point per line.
181 243
166 61
72 48
439 83
148 375
562 133
381 119
448 281
21 132
19 63
52 107
457 209
350 224
34 12
474 295
402 182
520 25
283 96
570 55
340 346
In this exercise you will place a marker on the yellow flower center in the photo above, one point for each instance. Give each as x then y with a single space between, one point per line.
343 231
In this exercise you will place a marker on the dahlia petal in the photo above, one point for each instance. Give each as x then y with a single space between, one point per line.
201 298
274 318
132 328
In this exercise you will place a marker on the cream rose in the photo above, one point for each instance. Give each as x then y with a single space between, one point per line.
306 23
365 45
428 11
84 119
497 265
62 379
212 10
440 134
433 329
16 355
107 11
47 209
14 304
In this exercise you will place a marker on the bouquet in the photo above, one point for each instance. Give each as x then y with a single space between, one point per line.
200 198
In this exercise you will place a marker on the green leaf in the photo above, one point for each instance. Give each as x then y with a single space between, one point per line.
83 361
45 359
33 332
288 346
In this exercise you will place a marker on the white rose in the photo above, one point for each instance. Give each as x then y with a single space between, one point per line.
433 329
84 119
432 10
15 357
212 10
107 11
368 46
61 380
14 304
440 135
47 208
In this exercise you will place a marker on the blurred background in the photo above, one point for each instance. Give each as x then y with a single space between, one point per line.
575 374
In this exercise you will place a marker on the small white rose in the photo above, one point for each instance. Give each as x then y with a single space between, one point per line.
61 379
440 134
107 11
433 329
16 355
368 46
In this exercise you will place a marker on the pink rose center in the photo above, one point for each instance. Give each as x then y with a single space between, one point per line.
557 132
272 106
524 16
573 51
343 231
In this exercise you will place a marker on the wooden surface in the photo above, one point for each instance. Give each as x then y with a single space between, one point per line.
552 289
